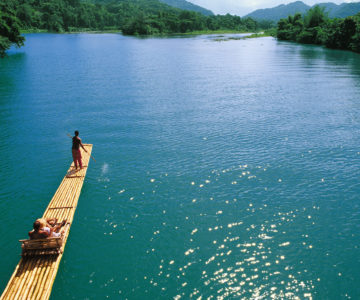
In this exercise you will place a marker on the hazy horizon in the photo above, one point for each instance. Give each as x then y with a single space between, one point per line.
242 8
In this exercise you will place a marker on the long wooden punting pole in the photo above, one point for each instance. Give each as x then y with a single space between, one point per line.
34 276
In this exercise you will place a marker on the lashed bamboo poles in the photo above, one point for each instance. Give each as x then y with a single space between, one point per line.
34 276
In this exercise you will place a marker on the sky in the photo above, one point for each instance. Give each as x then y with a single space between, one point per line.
243 7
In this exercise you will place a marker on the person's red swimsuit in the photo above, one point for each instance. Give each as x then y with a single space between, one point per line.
76 153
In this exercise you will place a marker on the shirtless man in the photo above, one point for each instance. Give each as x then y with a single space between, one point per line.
76 153
44 229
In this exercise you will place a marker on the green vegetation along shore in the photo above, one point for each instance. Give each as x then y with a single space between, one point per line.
152 17
316 28
131 17
9 28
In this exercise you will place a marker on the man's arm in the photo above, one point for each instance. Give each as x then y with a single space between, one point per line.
55 228
82 146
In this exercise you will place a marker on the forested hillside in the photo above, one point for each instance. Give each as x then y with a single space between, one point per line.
344 10
129 16
315 27
132 17
183 4
280 11
283 11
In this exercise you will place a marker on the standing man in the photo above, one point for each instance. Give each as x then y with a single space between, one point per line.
76 143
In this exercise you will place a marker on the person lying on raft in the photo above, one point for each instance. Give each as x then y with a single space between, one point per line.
44 228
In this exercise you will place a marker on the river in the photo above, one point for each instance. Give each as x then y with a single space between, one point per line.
224 169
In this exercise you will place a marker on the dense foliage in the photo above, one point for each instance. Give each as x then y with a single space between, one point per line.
183 4
9 27
130 16
316 28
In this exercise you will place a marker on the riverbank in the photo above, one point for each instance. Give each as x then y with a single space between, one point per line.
72 30
222 31
191 33
250 36
316 28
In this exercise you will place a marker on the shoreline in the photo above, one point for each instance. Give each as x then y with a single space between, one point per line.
192 33
25 31
250 36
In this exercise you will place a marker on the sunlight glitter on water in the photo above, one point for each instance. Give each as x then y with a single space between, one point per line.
256 244
234 176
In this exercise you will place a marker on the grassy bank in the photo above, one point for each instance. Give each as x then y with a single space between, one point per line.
222 31
22 31
197 32
251 36
73 30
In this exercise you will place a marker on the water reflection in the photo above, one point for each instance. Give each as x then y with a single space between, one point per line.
341 60
224 170
10 67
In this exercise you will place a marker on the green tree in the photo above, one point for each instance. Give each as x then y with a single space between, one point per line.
137 26
9 27
315 17
348 30
317 28
355 43
314 22
290 28
135 17
333 33
24 13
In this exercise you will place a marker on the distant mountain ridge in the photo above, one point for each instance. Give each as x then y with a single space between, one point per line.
284 10
180 4
183 4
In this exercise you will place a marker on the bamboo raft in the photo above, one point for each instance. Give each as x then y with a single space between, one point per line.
35 274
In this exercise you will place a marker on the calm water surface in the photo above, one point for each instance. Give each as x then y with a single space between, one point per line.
224 170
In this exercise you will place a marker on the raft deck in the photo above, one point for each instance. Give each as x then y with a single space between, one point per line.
34 276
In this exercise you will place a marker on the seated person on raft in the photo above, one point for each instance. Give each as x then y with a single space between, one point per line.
44 228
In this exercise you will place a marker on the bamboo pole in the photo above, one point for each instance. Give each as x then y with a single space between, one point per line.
38 280
12 278
18 279
45 279
30 286
49 283
60 192
27 279
34 282
42 277
33 277
17 293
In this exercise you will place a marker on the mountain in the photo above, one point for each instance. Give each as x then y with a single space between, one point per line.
346 9
330 8
183 4
279 12
156 4
283 11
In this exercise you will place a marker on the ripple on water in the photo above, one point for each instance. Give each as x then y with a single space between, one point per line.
234 176
248 249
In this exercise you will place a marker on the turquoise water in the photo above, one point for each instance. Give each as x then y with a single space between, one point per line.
224 170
